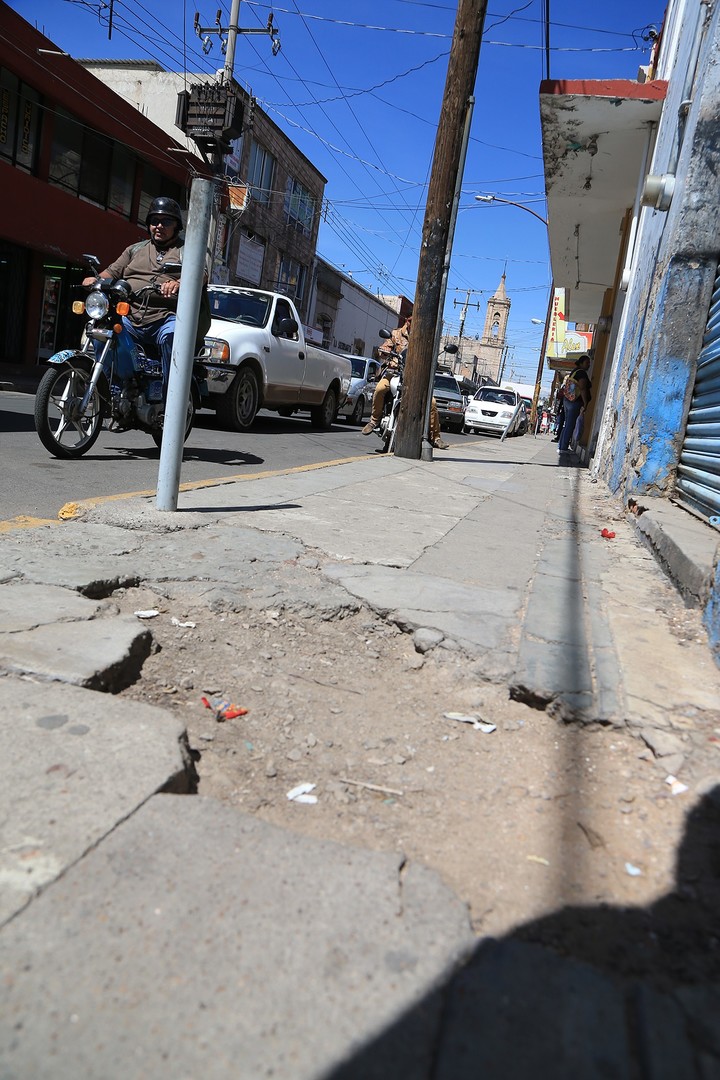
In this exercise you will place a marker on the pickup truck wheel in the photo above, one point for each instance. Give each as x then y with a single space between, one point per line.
239 404
323 416
357 413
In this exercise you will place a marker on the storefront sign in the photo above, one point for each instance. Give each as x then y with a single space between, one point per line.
250 260
556 335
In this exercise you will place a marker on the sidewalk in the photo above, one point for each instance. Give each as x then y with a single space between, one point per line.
22 378
147 931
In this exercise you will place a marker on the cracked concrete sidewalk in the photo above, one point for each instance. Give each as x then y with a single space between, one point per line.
148 933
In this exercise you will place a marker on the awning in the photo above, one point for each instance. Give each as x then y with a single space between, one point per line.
594 136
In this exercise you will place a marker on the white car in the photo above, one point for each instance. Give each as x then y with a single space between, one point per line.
491 410
365 373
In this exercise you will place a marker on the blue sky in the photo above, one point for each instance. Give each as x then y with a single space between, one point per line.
358 86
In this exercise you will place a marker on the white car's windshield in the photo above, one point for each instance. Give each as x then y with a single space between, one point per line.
499 397
358 368
249 308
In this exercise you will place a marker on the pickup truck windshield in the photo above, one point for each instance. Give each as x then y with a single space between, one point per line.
249 308
446 382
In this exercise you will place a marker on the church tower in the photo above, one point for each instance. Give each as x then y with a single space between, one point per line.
494 337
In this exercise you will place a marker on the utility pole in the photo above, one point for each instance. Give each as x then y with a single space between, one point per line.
212 115
459 84
541 360
463 316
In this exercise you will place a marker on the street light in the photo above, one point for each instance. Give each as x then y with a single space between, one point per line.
509 202
536 395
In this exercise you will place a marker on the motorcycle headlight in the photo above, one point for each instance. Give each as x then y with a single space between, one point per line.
97 305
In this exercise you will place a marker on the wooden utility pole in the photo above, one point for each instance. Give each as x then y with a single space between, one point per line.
459 84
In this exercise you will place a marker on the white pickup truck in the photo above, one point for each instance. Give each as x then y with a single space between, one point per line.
257 358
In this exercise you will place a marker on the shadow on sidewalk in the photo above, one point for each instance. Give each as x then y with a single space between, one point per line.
585 993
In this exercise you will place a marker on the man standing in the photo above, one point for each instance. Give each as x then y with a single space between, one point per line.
576 395
152 319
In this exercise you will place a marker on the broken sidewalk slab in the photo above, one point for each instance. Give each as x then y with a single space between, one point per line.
76 764
102 654
95 559
186 915
478 618
25 605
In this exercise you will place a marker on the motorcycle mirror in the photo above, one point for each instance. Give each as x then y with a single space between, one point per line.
93 261
171 268
452 349
385 334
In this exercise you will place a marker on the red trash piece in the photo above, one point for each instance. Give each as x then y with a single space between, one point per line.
224 710
607 534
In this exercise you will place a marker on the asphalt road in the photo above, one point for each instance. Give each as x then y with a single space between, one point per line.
34 484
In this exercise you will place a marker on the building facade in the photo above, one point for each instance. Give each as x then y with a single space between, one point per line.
269 240
79 168
634 222
348 318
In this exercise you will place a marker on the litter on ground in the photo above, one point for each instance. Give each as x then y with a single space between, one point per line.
223 710
301 794
478 725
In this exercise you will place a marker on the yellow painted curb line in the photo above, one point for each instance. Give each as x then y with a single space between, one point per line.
24 522
73 510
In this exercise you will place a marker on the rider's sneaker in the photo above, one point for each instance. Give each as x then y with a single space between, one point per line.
369 428
440 445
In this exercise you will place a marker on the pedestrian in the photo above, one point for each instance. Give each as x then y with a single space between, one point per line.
559 415
576 392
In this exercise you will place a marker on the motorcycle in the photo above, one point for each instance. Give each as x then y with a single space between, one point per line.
120 381
387 427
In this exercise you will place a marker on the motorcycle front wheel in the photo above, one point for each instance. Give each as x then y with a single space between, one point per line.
63 431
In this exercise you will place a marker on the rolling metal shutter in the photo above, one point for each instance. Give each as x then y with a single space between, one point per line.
699 468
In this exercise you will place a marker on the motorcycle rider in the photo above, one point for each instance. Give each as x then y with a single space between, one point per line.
152 319
398 343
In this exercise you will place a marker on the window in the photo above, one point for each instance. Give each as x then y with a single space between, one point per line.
28 129
299 206
122 178
66 152
19 121
9 85
283 311
326 326
291 279
260 172
95 167
154 185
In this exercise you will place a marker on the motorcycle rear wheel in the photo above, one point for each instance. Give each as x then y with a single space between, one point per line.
60 427
157 435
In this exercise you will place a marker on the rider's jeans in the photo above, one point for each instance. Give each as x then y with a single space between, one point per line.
159 334
378 402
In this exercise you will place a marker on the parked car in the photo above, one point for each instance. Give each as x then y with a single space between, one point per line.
365 373
449 401
491 410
